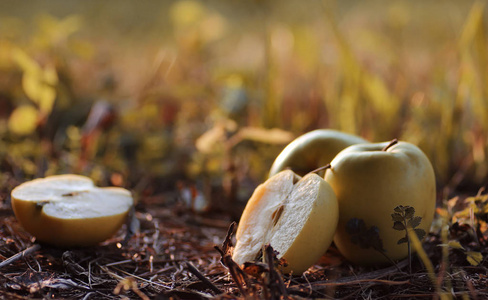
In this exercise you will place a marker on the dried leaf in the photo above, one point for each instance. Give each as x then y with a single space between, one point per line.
255 269
25 62
268 136
414 222
32 85
23 120
409 212
463 214
399 209
420 233
396 217
452 202
398 225
211 140
474 257
46 98
442 212
402 241
455 245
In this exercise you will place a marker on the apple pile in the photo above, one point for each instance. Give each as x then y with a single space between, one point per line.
364 185
69 210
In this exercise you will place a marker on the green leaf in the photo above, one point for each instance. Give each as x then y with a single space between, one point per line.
420 233
402 240
414 222
409 212
398 225
396 217
474 257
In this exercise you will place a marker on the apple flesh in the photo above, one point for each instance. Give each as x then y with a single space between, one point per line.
369 183
312 150
69 210
296 216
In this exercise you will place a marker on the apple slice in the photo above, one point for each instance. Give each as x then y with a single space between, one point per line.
296 216
69 210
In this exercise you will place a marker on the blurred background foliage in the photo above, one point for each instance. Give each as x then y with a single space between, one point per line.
200 96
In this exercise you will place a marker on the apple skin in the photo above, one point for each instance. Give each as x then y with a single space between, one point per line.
66 233
369 183
312 150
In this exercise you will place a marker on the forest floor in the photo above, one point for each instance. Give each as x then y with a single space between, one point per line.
179 254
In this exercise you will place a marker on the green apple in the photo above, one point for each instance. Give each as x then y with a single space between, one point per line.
312 150
296 216
370 181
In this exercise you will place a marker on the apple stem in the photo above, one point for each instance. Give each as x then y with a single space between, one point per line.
391 144
328 166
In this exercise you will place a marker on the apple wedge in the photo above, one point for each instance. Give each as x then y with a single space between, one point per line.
296 216
69 210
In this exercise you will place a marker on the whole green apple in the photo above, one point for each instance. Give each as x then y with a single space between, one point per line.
312 150
370 181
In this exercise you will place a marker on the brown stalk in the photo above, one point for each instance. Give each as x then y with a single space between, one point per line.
202 278
20 255
328 166
391 144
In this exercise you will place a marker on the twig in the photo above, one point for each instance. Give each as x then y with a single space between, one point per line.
240 278
277 287
20 255
227 244
374 275
204 279
359 281
119 278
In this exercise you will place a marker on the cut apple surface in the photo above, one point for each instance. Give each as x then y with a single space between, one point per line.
69 210
296 216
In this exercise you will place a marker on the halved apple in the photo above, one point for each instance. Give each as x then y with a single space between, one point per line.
69 210
296 216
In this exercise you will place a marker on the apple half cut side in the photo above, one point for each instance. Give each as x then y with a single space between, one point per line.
69 210
296 216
